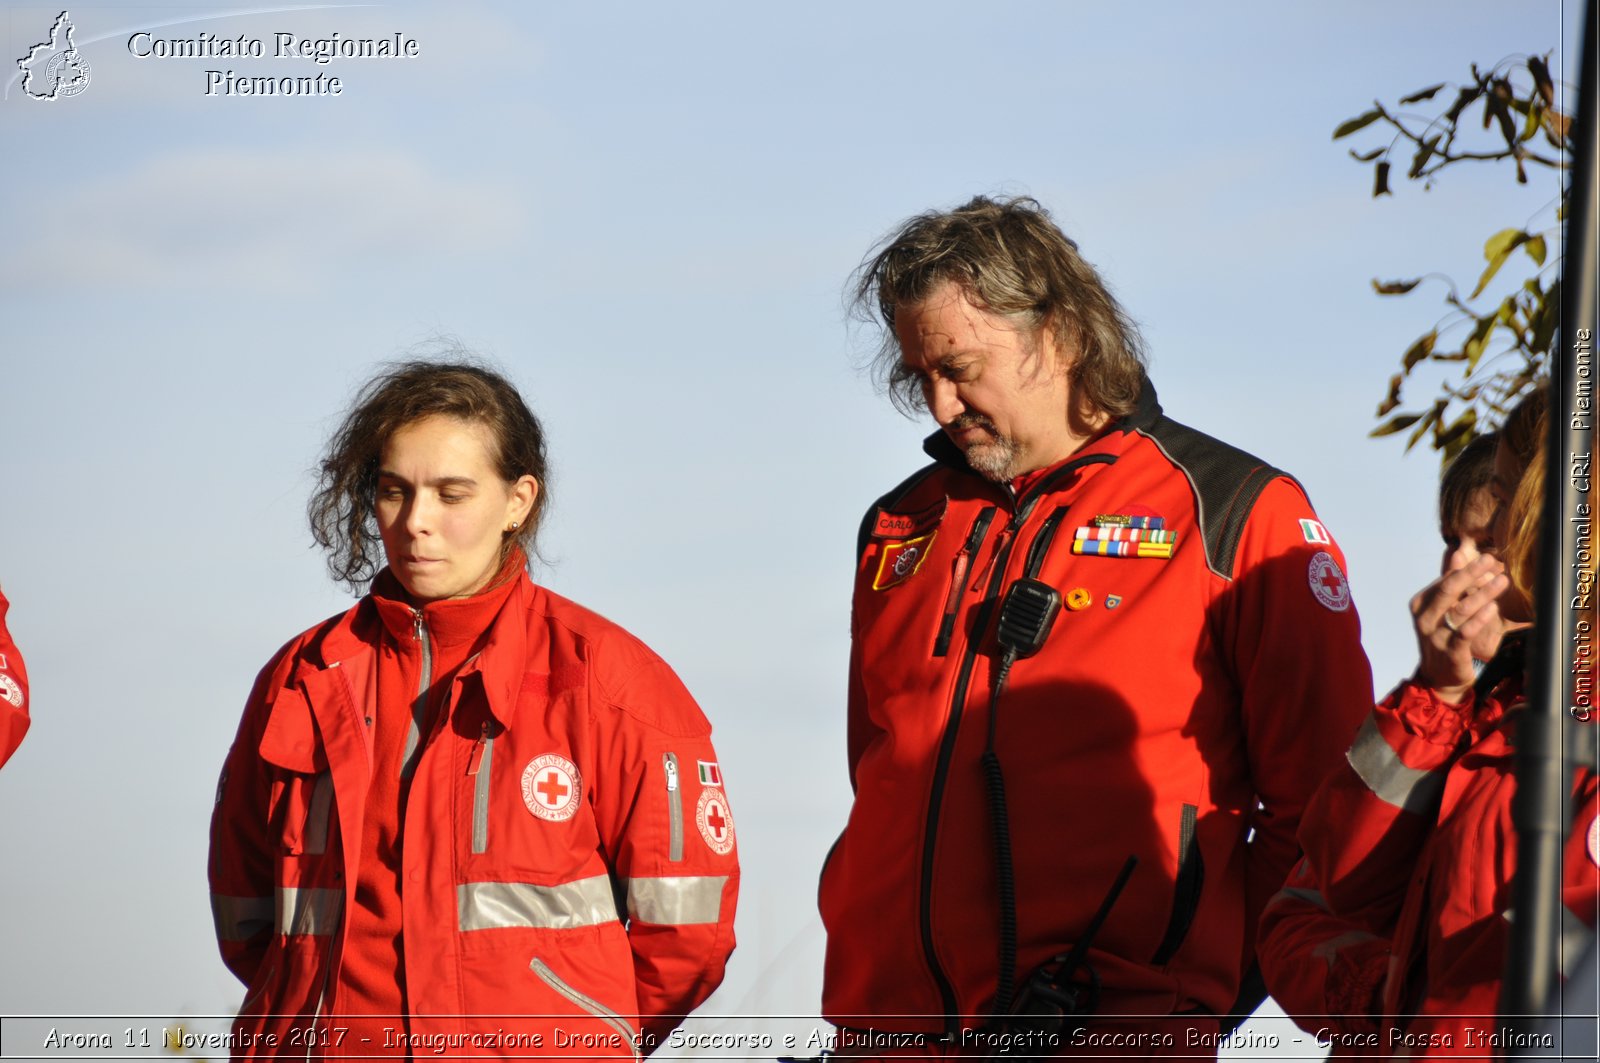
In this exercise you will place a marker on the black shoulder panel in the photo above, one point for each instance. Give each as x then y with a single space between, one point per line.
889 501
1226 482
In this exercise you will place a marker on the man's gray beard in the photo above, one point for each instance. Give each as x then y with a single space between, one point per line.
993 458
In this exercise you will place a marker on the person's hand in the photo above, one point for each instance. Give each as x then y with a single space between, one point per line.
1453 616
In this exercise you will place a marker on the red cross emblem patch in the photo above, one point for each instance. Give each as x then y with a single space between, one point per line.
1327 582
715 821
552 787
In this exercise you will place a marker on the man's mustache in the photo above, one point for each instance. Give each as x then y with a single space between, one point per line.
972 420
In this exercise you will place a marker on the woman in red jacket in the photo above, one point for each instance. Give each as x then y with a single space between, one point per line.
467 815
1412 838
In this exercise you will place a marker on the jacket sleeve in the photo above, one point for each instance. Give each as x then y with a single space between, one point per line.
1369 819
1294 643
243 893
1327 973
663 814
13 690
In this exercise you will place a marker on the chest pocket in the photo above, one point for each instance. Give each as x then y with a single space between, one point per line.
301 810
300 802
525 792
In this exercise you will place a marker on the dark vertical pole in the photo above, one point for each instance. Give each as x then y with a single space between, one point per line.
1564 620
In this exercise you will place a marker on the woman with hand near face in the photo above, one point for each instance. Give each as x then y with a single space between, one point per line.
467 815
1412 838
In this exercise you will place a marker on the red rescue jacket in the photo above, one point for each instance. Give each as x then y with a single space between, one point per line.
1171 696
13 690
568 868
1414 831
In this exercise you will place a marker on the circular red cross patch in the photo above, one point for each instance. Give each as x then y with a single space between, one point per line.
551 787
714 820
1327 581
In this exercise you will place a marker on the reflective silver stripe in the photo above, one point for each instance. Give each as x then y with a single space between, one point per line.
308 911
587 1003
678 901
1297 893
317 817
1409 789
480 797
491 905
240 918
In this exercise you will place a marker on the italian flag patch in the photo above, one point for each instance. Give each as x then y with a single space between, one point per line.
710 774
1314 532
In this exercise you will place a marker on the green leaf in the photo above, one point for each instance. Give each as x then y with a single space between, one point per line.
1466 96
1534 245
1479 341
1545 319
1502 243
1397 424
1360 121
1497 249
1419 350
1391 400
1423 94
1394 287
1534 121
1424 153
1459 432
1367 156
1541 80
1429 419
1380 180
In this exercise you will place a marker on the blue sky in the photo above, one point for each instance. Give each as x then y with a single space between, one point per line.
645 214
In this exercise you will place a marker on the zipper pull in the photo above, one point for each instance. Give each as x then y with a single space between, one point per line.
416 619
999 548
476 761
671 764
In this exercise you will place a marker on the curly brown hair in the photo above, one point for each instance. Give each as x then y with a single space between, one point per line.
1009 257
341 508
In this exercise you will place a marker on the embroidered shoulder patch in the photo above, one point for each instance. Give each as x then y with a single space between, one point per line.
887 525
1314 532
1594 839
552 787
900 561
10 690
714 820
1327 581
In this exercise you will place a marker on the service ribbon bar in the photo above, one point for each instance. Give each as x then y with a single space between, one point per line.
1121 548
1122 520
1135 535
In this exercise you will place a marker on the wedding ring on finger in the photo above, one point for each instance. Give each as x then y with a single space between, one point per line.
1450 623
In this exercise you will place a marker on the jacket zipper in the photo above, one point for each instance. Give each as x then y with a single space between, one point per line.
1186 886
1042 541
479 766
669 763
995 568
941 769
587 1003
419 707
958 579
